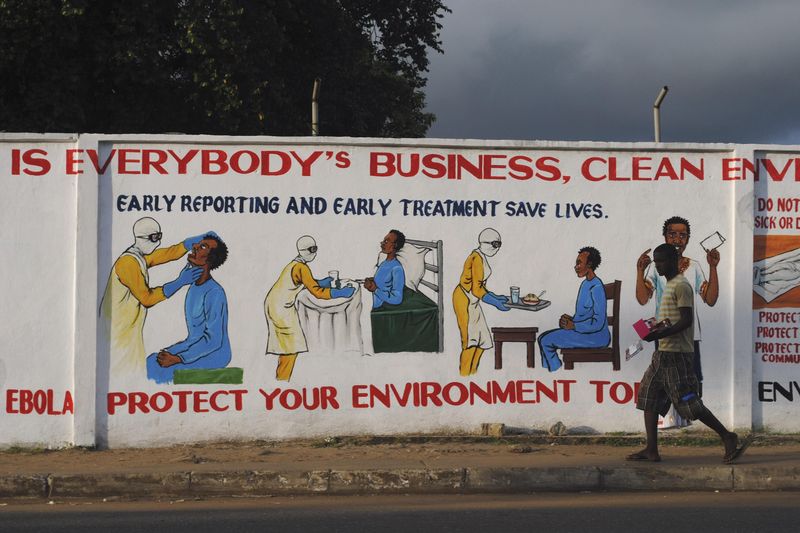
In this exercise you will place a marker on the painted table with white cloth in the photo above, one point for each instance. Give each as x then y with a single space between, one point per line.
332 326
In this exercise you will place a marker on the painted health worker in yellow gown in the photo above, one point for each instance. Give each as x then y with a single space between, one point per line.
286 338
128 294
467 297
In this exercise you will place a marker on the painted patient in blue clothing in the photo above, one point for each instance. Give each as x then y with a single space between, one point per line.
390 278
588 327
206 307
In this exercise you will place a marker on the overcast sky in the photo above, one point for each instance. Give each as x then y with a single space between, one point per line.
591 69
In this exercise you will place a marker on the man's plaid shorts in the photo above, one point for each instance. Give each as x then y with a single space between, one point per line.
670 379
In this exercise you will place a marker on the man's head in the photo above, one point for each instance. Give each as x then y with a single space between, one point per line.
676 231
393 242
666 258
489 242
209 253
147 234
588 260
307 248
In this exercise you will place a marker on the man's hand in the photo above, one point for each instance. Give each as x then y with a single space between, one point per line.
369 284
166 359
566 322
643 261
652 336
713 258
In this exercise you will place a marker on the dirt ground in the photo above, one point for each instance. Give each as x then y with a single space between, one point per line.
354 455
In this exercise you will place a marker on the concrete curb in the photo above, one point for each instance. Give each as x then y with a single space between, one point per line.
414 481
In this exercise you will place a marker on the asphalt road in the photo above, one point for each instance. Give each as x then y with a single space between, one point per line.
656 512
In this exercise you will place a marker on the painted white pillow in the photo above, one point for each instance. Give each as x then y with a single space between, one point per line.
413 260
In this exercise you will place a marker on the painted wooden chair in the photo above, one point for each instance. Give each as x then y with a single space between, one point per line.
570 356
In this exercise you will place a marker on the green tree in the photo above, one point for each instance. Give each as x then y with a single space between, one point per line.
237 67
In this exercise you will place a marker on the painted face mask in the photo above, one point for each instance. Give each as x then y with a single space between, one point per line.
306 248
148 235
489 242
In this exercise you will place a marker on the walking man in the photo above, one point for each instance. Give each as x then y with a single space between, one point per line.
670 378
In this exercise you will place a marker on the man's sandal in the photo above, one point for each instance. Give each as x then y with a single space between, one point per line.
641 456
739 450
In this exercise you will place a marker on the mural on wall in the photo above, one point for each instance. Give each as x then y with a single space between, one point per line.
206 348
676 231
355 344
286 338
776 286
471 290
403 318
588 326
128 295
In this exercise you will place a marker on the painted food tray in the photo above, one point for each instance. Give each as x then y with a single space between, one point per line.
525 307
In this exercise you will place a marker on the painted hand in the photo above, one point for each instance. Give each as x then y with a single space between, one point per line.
713 257
191 241
166 359
344 292
643 260
188 275
497 301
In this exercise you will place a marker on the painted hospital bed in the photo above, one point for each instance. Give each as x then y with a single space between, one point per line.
416 324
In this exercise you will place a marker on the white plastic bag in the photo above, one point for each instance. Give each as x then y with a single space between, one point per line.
673 420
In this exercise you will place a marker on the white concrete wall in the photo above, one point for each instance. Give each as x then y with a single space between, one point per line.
37 232
538 253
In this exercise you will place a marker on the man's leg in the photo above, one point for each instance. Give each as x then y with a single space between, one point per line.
690 406
698 369
651 430
650 452
285 367
729 438
651 399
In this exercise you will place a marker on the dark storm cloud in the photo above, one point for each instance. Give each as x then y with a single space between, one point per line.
572 70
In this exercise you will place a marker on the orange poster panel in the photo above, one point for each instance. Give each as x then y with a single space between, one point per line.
765 246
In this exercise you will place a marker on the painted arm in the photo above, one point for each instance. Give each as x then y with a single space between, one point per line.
391 292
210 338
477 289
301 274
165 255
590 310
644 289
130 274
710 293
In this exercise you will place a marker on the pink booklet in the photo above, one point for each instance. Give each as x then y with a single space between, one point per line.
645 326
641 328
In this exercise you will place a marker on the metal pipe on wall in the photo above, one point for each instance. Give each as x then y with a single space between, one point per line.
315 108
657 112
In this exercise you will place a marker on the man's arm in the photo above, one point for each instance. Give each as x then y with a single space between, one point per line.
687 316
644 289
